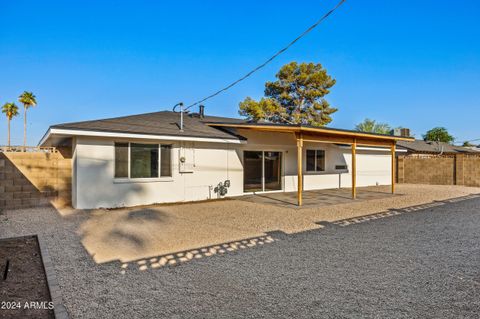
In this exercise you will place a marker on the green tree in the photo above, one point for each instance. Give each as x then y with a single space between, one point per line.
296 97
438 134
373 126
28 100
10 110
468 144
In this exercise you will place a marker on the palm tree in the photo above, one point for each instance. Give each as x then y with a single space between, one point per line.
28 99
10 110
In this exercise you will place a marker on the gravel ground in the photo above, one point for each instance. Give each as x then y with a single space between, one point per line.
144 232
419 264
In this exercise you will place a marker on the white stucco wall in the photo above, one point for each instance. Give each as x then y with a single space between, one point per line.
94 184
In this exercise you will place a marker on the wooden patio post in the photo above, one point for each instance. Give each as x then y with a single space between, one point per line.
393 167
299 168
354 168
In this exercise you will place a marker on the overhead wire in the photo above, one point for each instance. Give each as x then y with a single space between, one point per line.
326 15
476 139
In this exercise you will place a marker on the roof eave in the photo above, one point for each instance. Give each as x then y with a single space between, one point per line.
299 129
111 134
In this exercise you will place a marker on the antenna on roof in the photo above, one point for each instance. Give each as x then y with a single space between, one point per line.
181 113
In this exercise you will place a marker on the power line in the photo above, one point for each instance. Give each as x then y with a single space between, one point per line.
271 58
477 139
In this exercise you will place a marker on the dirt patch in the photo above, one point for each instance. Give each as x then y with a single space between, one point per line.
23 285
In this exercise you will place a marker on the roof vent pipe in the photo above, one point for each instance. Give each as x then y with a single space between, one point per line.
181 113
201 111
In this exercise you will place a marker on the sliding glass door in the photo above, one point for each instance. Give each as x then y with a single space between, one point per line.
262 171
272 171
252 171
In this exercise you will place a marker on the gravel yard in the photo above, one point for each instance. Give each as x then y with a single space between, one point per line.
142 232
421 264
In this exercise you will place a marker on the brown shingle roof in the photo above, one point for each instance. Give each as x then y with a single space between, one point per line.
421 146
157 123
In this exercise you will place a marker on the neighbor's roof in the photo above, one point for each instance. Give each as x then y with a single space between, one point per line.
163 123
421 146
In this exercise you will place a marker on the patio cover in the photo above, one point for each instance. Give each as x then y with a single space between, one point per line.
305 133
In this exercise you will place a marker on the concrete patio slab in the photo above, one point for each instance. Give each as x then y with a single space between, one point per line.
318 198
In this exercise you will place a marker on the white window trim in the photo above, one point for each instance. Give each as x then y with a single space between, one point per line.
315 171
143 179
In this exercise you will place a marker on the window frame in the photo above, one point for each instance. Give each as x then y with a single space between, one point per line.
158 178
115 160
160 161
315 170
282 172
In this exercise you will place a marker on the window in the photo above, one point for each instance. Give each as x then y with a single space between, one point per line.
315 160
166 161
121 160
135 160
143 160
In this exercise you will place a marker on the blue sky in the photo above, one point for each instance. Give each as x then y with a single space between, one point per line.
409 63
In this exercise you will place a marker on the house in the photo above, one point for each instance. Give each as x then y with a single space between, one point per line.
476 148
430 147
158 158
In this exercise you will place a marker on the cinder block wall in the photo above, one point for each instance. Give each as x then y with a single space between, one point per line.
31 179
471 166
439 170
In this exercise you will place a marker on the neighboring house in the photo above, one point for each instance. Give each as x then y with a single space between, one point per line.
476 149
146 158
429 147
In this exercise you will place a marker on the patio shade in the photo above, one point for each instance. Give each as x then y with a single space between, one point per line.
305 133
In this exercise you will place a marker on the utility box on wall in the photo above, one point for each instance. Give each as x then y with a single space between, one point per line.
186 160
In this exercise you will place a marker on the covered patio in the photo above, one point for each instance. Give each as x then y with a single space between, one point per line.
319 198
310 134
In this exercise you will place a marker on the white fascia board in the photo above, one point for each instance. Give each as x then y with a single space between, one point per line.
67 132
365 148
44 138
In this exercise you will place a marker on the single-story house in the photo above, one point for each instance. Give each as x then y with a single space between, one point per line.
158 158
436 148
